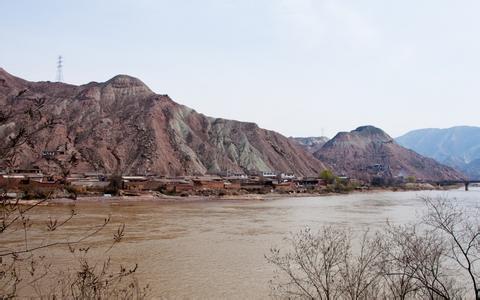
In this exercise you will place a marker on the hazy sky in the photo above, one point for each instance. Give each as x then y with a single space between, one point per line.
299 67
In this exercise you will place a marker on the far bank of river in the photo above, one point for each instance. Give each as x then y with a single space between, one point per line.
156 196
215 249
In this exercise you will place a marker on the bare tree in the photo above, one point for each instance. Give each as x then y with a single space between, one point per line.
414 264
322 266
360 273
430 259
25 267
460 228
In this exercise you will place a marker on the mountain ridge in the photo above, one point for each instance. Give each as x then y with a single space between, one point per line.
368 152
457 146
121 126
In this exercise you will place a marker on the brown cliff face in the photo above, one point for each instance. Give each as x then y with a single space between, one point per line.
122 126
367 152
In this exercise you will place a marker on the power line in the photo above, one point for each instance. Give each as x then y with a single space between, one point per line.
60 69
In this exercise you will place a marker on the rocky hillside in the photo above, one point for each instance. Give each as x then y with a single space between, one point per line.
311 144
367 152
458 147
122 126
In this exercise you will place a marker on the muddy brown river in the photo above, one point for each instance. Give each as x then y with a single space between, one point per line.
216 249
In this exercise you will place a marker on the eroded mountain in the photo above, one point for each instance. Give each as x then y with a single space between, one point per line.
121 126
369 152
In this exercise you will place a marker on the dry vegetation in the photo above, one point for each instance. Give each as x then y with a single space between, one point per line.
436 258
24 267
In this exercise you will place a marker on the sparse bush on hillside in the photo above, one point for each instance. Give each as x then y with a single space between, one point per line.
411 179
328 176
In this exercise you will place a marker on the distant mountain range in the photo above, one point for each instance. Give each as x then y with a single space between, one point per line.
458 147
121 127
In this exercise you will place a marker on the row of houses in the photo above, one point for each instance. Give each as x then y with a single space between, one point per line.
259 182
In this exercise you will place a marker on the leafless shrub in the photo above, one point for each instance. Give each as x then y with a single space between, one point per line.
414 264
360 270
24 266
428 260
98 282
460 229
322 266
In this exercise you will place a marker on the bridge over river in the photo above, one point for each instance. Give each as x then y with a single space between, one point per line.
452 182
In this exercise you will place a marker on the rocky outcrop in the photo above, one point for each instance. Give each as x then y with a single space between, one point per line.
311 144
122 126
369 152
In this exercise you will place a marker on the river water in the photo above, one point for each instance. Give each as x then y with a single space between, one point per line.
216 249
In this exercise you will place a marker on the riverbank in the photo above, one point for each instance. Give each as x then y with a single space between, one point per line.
159 197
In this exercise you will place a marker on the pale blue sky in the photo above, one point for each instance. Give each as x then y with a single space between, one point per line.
294 66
